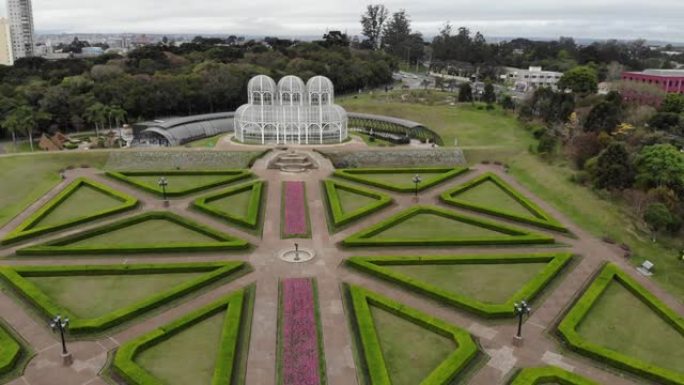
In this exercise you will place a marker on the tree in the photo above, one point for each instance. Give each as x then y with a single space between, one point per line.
661 165
581 80
23 119
95 114
603 117
659 218
465 93
399 40
372 23
489 96
507 103
666 121
673 103
613 168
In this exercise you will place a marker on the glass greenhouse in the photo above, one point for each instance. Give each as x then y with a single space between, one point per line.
290 112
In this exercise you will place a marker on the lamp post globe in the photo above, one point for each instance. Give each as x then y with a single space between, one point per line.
521 309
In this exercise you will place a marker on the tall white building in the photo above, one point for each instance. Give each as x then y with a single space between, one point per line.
5 43
21 27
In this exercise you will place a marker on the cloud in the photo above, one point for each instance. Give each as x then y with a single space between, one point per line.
660 19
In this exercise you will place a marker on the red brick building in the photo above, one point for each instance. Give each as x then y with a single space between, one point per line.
669 81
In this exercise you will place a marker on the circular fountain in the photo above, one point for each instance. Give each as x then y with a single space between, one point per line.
296 254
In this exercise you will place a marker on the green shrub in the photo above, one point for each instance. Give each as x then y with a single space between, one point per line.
357 175
251 221
555 263
63 246
361 299
549 375
124 360
10 351
510 235
541 218
15 276
230 177
567 327
29 228
334 205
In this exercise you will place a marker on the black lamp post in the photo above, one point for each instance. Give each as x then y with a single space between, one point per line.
521 309
416 180
163 182
61 324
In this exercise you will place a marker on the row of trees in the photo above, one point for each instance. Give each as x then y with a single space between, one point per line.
158 81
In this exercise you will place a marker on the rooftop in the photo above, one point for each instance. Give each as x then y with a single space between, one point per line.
657 72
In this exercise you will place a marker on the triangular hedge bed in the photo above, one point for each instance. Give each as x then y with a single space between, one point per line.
549 375
66 245
370 349
338 215
224 177
364 175
379 267
508 235
567 328
536 216
252 218
11 351
18 279
230 345
31 226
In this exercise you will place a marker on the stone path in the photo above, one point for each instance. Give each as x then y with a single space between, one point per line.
495 337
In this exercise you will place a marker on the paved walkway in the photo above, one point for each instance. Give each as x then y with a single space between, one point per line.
540 347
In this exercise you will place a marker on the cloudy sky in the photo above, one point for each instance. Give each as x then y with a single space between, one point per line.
624 19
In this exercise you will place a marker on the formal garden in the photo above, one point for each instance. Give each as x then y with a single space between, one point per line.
429 274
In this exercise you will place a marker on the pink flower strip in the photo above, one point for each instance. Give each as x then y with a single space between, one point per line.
300 360
295 209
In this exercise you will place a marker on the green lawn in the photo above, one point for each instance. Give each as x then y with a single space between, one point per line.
25 178
490 283
489 194
83 202
150 232
236 204
351 201
188 357
400 179
97 295
178 183
464 122
428 226
622 322
411 351
209 142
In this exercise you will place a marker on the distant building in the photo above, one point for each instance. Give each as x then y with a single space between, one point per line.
21 28
532 78
671 81
5 44
92 51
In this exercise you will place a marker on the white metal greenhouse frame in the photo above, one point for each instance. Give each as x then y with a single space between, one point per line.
290 112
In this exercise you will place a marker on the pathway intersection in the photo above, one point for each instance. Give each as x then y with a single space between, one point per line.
541 347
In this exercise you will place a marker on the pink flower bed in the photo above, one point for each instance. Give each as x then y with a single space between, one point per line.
295 209
300 360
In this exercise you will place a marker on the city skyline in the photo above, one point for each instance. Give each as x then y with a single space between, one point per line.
605 19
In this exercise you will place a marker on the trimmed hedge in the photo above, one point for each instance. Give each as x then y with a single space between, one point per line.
252 220
338 216
10 351
15 276
542 219
567 327
361 299
555 263
63 245
124 360
547 375
510 235
357 175
29 228
231 176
